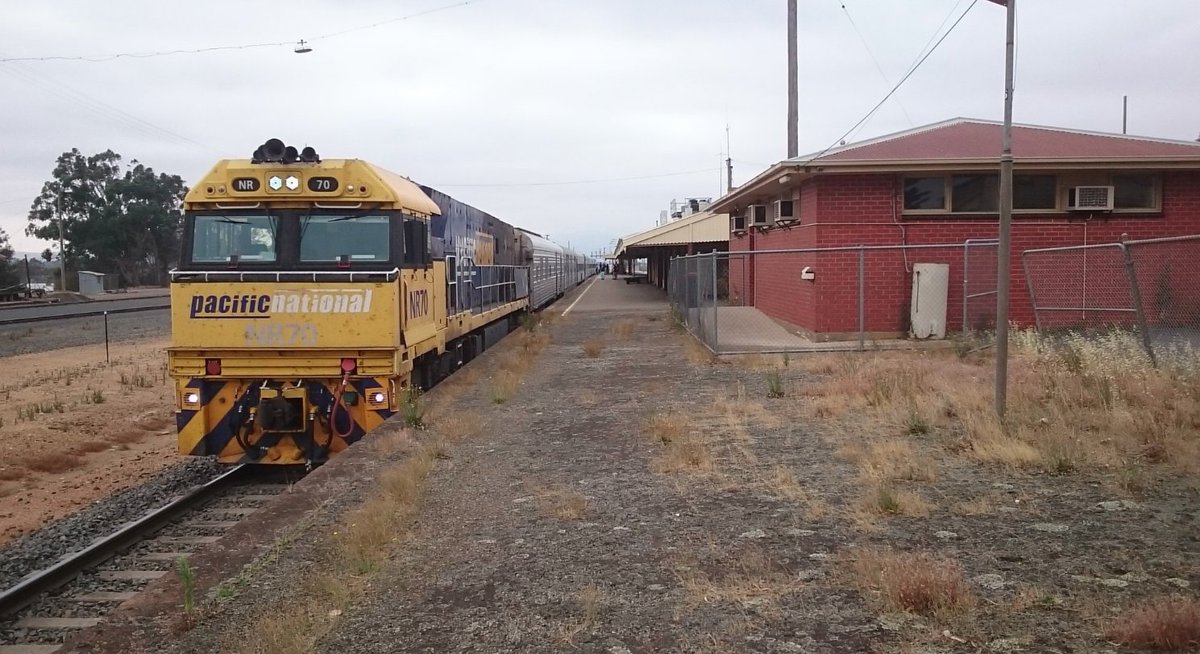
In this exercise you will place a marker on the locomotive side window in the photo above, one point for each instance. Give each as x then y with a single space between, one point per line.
354 237
217 238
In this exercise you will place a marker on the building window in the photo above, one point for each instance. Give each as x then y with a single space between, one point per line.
1035 192
925 194
1135 192
978 193
975 193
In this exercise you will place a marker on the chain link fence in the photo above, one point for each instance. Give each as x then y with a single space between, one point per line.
830 299
1148 287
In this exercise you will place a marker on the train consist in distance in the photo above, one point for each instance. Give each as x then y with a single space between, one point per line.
312 294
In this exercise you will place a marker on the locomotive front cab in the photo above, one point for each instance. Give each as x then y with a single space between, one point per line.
300 288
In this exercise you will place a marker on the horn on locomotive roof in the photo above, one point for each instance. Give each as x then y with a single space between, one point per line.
274 151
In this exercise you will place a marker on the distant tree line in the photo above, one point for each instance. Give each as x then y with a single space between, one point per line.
8 267
120 220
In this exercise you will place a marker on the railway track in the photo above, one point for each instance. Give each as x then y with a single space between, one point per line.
48 607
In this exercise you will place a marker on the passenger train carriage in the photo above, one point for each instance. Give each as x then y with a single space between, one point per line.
312 295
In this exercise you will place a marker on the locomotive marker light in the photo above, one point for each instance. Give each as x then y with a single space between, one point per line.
292 182
275 182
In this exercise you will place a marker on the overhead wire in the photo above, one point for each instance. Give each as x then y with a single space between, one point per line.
894 88
244 46
871 54
99 107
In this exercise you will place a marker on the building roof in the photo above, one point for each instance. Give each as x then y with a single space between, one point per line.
701 227
966 138
965 143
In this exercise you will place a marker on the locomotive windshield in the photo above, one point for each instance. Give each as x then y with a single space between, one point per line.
217 238
354 237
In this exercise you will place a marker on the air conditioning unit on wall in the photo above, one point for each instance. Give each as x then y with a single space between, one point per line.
756 216
784 212
1090 198
737 223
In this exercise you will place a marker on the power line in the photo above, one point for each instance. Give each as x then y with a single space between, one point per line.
219 48
908 74
86 102
878 67
582 181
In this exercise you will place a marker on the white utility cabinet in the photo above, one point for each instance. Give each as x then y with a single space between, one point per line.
930 285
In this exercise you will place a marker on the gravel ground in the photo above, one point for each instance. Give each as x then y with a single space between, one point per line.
39 549
567 527
49 335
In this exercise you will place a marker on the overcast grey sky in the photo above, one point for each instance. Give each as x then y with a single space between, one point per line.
498 101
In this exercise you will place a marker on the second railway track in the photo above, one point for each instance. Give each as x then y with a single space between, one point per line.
48 607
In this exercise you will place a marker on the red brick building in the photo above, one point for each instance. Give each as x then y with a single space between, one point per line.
940 184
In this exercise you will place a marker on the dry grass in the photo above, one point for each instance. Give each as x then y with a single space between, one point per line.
683 449
782 483
127 436
591 601
593 346
890 459
13 474
982 505
882 499
1081 402
561 502
917 583
1161 623
748 577
503 387
89 447
54 463
698 354
623 329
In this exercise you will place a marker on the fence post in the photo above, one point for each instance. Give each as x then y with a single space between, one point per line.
862 298
716 340
1037 315
966 286
1136 294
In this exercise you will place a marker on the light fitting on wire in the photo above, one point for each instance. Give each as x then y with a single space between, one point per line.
302 47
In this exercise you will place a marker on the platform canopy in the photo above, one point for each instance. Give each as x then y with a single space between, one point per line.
699 228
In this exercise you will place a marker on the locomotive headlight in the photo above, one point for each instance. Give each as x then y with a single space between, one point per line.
377 398
191 400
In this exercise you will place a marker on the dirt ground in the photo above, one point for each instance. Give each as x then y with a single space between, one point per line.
74 428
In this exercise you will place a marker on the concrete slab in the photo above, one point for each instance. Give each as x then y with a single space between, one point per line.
105 596
615 296
57 623
189 540
29 649
130 575
165 556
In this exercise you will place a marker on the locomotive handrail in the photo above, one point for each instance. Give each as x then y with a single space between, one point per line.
284 275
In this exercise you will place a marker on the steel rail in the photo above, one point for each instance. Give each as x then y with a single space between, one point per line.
36 584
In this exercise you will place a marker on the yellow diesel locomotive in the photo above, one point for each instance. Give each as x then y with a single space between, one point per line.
312 294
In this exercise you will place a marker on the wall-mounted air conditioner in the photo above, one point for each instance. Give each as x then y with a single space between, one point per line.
1090 198
757 216
784 212
737 223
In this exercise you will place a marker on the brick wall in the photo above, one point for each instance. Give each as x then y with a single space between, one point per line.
866 209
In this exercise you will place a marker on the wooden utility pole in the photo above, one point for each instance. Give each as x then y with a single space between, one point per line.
793 102
1003 269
